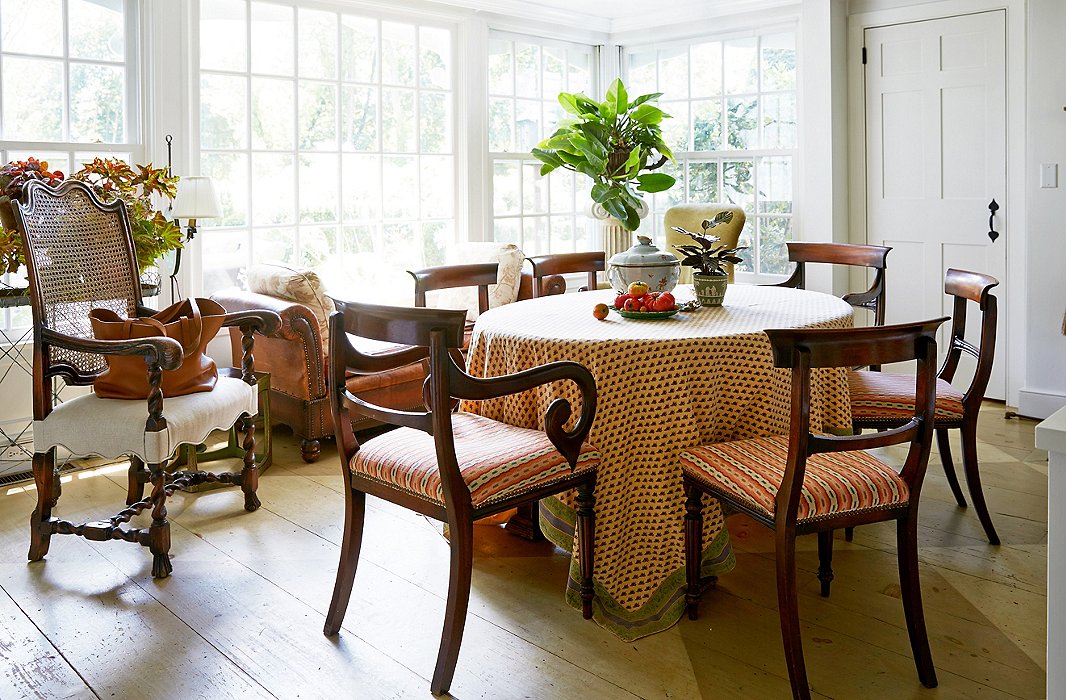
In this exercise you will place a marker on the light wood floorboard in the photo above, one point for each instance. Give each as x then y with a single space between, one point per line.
242 614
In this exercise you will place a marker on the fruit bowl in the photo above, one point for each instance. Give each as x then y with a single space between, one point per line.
647 315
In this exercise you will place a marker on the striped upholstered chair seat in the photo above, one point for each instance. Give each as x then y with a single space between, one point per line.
834 482
880 397
497 460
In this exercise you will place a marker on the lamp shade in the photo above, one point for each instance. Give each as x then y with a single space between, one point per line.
196 199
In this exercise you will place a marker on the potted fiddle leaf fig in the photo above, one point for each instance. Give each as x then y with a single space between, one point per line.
707 256
617 143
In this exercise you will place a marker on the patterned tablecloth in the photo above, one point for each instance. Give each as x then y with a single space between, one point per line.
698 377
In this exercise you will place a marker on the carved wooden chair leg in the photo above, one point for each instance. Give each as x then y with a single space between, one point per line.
911 589
949 466
250 472
693 548
973 478
462 561
137 477
354 516
788 603
586 526
310 450
159 532
825 560
44 476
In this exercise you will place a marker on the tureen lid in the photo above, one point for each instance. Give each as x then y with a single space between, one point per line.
643 254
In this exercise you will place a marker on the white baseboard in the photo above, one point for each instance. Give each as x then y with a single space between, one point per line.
1037 404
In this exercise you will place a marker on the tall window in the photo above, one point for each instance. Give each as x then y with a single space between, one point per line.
67 92
733 132
525 76
329 134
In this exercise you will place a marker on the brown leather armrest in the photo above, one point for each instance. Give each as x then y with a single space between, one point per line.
289 311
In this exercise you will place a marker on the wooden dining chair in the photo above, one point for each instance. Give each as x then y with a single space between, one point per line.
479 275
882 400
872 257
455 467
804 482
567 263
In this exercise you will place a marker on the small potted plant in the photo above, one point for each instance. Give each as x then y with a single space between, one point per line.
707 256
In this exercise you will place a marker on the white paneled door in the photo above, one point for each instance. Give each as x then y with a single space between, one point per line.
936 159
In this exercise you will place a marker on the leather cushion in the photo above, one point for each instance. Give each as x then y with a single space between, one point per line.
882 396
497 460
751 471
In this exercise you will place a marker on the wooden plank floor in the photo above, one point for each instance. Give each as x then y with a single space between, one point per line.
242 614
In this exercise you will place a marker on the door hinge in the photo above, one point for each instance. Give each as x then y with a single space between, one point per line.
864 55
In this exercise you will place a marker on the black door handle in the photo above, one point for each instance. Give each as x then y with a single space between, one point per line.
993 234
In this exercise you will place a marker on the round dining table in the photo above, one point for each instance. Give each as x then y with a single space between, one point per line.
665 385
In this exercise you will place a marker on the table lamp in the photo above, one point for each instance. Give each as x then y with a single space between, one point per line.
196 199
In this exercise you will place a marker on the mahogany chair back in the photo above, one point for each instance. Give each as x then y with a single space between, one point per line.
566 263
868 256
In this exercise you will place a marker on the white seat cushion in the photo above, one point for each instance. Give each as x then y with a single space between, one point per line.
112 428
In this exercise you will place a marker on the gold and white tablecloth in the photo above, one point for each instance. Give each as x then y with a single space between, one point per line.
663 386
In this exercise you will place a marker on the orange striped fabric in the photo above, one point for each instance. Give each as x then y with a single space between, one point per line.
881 396
497 460
833 483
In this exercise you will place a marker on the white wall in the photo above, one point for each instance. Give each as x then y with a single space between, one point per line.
1044 390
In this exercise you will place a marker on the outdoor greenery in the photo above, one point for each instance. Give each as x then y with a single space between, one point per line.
613 142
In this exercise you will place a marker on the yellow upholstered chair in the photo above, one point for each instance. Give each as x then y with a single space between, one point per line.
690 217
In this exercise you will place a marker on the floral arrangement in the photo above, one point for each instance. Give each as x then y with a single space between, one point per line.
707 256
110 178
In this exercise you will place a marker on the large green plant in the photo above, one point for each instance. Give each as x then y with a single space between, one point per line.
614 142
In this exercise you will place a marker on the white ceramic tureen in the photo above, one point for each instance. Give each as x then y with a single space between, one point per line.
644 263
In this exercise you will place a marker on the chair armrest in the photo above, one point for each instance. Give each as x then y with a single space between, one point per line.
262 321
237 301
164 352
569 442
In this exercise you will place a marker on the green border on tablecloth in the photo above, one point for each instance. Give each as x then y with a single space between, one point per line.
664 608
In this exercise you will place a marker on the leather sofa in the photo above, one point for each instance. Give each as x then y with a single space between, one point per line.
295 359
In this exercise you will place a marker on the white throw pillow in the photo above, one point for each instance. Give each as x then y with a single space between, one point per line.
508 277
293 284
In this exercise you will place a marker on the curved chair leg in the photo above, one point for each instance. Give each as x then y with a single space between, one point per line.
310 450
825 560
586 529
250 472
354 512
462 561
693 548
136 477
44 476
159 532
910 586
973 478
788 607
949 467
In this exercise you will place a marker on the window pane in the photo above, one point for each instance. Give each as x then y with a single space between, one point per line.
359 118
318 116
500 122
358 239
359 49
97 30
397 121
527 124
737 186
775 185
403 245
32 26
397 53
773 253
272 113
641 77
437 187
319 182
399 187
580 72
703 182
673 73
435 119
275 245
706 69
707 125
222 35
506 185
317 244
224 254
318 44
747 238
741 66
779 62
675 128
223 113
435 64
361 182
742 116
554 71
779 120
534 235
33 99
527 70
273 189
97 103
272 39
561 191
229 172
534 189
499 68
437 236
507 231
